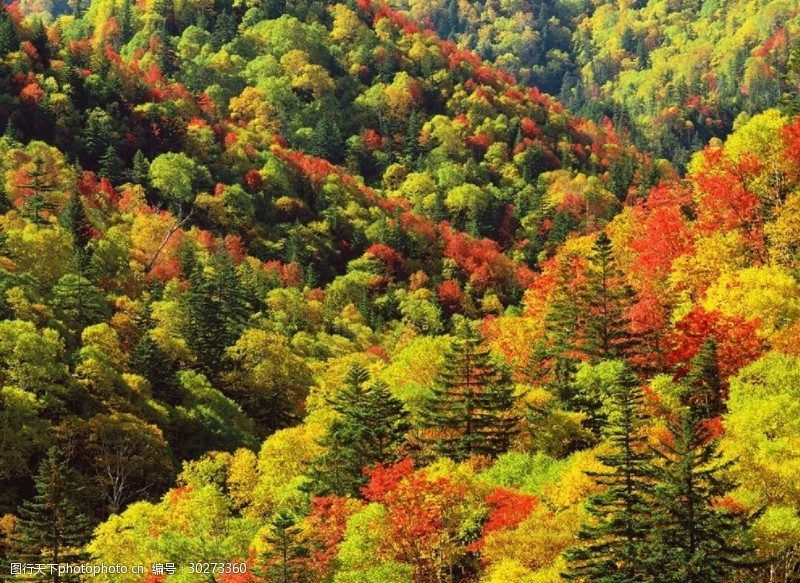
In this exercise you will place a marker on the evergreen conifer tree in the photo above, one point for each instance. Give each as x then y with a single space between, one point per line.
5 203
50 528
111 165
36 203
705 387
224 30
555 356
693 538
283 561
149 360
471 410
140 172
126 22
327 141
73 219
372 428
411 146
611 548
9 39
40 42
11 132
217 310
790 83
607 298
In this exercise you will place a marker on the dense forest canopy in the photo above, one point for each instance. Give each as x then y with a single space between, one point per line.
498 291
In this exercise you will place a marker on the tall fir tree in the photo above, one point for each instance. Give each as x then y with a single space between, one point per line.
790 83
471 409
706 390
694 538
9 38
411 145
372 428
111 165
37 183
51 529
606 299
126 22
217 310
286 553
73 219
148 359
140 170
555 356
327 141
611 548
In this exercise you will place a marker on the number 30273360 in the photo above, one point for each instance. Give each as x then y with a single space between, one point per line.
217 568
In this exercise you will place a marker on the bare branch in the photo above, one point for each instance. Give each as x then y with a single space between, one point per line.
180 222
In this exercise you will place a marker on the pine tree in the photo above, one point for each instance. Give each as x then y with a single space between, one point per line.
706 390
5 203
140 172
620 176
555 356
471 410
283 562
11 133
607 298
224 30
694 540
36 203
50 528
40 41
372 428
327 141
126 22
77 303
411 146
73 219
111 165
217 310
612 541
790 83
150 361
9 39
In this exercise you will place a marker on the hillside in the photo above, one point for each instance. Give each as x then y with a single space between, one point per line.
674 74
304 288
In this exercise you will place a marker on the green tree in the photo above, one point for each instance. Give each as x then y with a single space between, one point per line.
555 356
73 219
790 91
178 178
206 420
217 310
326 141
607 298
611 541
140 170
287 550
51 529
268 379
372 428
77 303
706 389
694 539
38 185
111 165
9 39
470 411
97 135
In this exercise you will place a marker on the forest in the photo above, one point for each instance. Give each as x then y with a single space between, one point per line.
400 291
